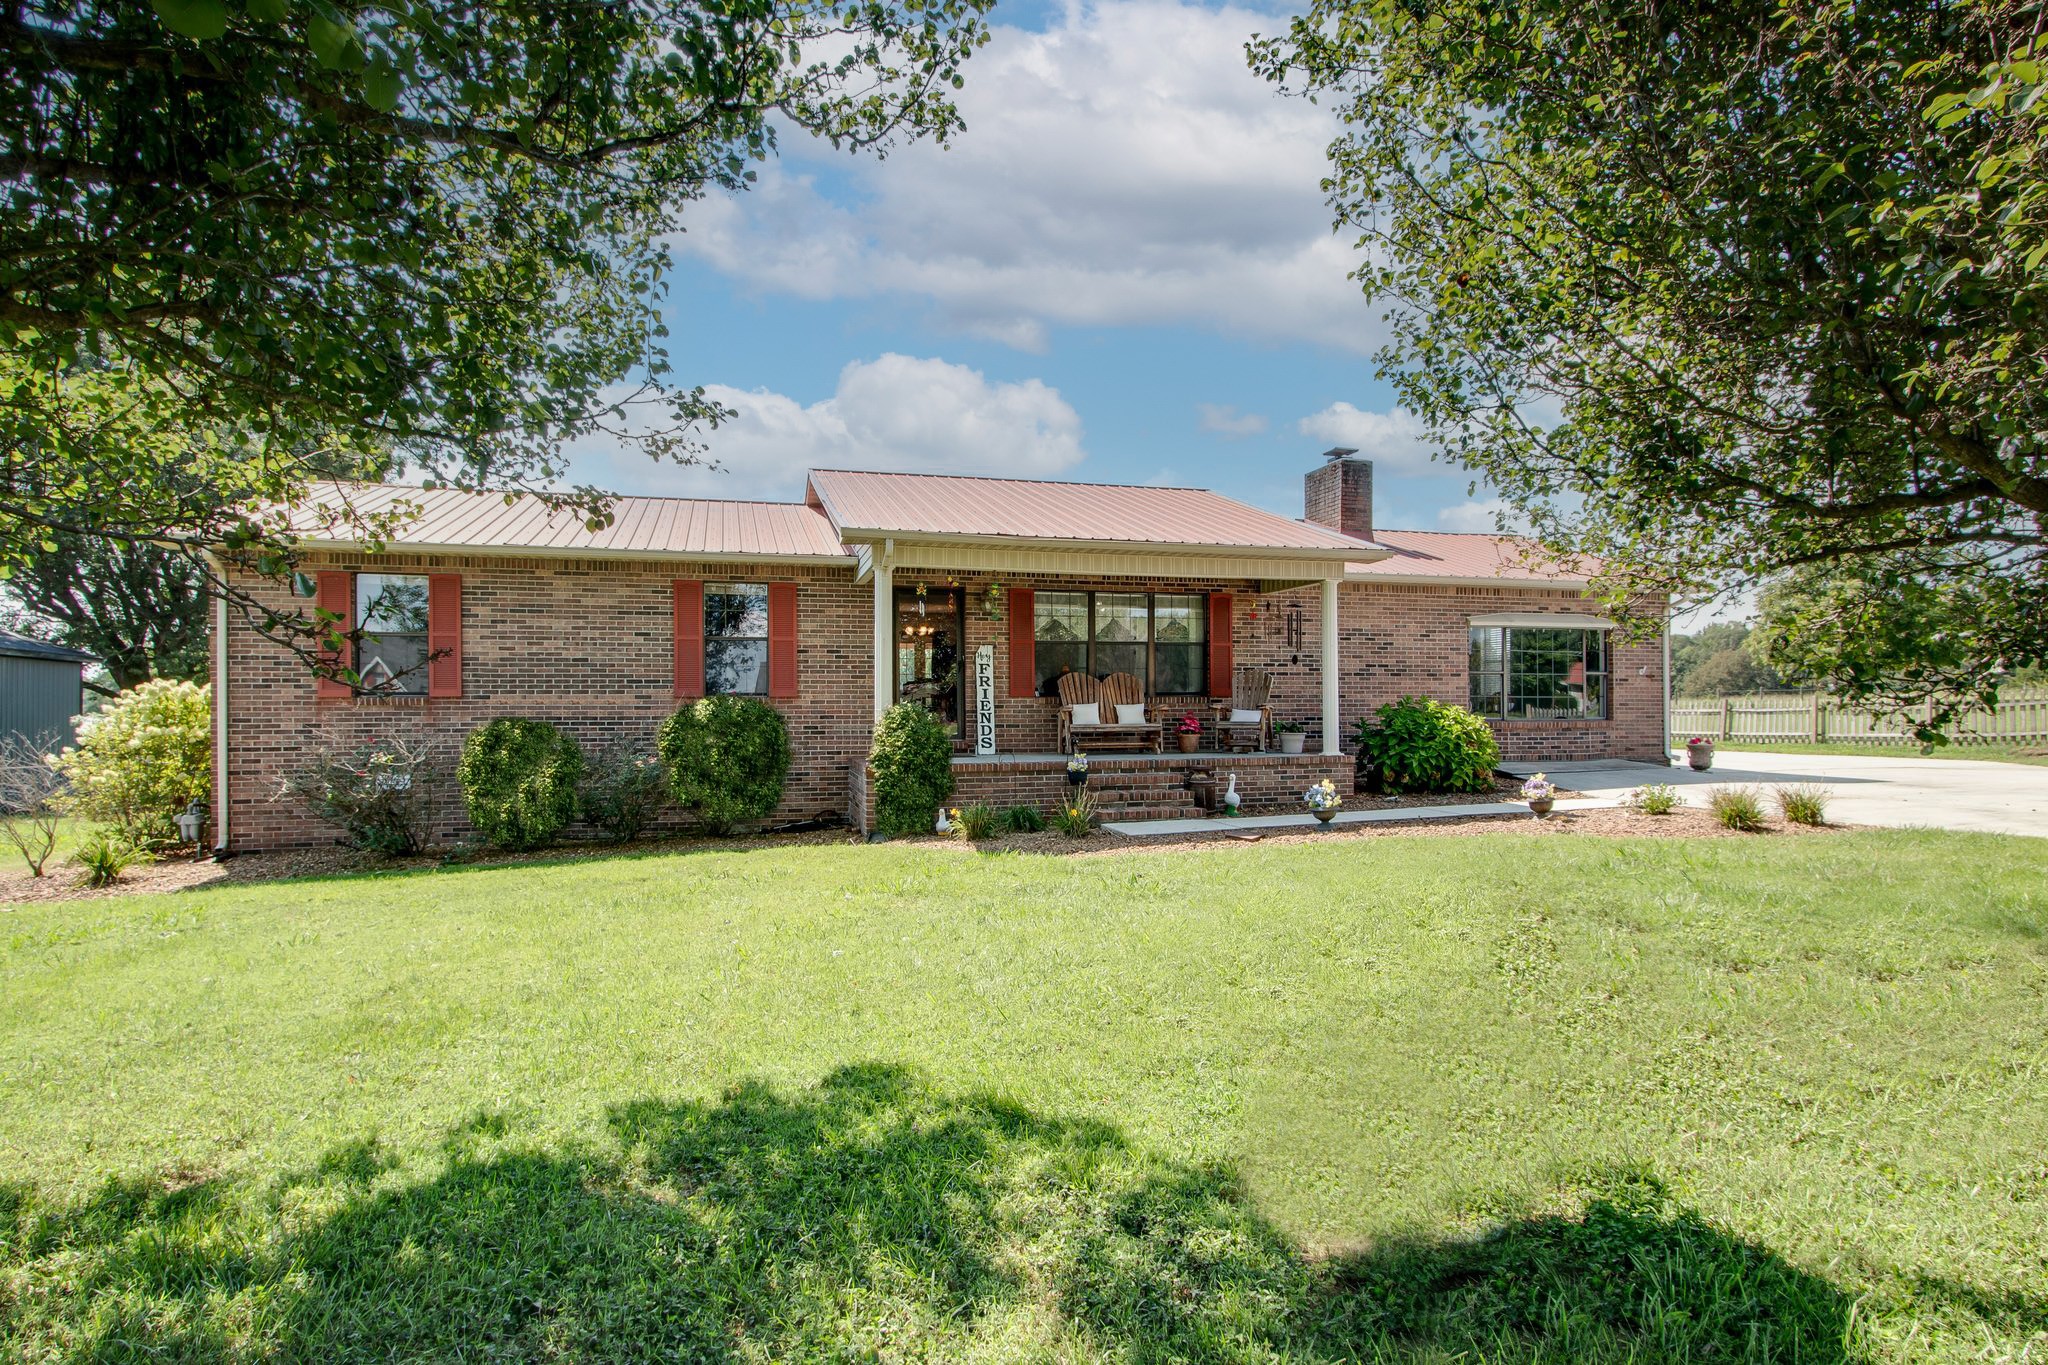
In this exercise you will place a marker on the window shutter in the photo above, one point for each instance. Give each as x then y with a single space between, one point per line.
1221 658
1023 643
782 640
689 634
334 592
444 634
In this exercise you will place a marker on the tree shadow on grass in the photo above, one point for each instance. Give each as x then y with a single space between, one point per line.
872 1216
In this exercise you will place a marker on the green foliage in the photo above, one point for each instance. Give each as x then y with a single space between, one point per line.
912 759
1419 745
1655 798
623 791
1779 270
443 222
727 758
1075 816
1022 820
1719 661
976 821
141 759
1804 805
103 856
1738 808
380 795
519 780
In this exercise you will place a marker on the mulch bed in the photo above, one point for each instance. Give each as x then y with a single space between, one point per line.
179 873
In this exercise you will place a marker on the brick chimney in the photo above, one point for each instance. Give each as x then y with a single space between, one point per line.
1338 493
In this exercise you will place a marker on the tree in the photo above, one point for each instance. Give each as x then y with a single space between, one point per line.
1778 267
138 608
440 228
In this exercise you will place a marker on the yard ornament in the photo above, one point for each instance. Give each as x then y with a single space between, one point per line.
1231 800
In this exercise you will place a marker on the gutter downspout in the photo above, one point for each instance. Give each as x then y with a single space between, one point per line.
1664 721
220 718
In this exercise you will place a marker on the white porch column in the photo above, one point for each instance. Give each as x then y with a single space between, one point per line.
885 634
1331 738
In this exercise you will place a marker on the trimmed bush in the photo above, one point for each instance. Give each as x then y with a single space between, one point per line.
912 760
727 758
1419 745
519 781
623 792
142 759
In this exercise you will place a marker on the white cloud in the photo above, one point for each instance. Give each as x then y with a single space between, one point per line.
1395 441
895 412
1484 515
1225 420
1125 167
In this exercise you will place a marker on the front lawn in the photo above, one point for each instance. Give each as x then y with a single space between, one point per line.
1400 1098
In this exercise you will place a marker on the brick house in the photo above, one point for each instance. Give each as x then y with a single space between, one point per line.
969 595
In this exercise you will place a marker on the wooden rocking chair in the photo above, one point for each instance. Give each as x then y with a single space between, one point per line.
1249 689
1078 689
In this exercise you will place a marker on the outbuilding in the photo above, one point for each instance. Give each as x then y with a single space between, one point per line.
42 688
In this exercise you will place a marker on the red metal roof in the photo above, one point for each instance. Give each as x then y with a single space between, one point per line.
445 518
1467 555
913 505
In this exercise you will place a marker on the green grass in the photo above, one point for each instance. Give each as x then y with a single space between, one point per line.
1403 1099
1983 753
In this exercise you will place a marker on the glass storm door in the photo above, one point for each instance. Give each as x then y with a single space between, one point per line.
929 632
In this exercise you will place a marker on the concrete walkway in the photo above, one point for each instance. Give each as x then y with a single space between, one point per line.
1142 829
1939 793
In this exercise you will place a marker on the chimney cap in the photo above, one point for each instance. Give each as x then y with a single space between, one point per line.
1340 452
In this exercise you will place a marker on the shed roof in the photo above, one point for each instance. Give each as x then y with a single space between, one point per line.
1467 556
450 519
947 506
22 647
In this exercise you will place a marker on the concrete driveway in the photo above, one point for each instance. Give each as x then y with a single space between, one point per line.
1942 793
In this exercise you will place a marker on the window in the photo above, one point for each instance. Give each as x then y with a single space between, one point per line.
735 638
1539 673
391 613
1159 638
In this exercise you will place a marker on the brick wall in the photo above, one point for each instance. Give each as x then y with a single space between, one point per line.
588 645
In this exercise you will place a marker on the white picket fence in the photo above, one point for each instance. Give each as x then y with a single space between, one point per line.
1810 718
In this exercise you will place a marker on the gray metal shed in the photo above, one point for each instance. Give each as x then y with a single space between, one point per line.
42 687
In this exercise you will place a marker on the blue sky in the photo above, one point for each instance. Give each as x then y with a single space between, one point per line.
1122 271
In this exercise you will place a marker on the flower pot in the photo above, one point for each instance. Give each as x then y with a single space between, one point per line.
1326 816
1541 804
1077 779
1701 756
1290 741
1188 743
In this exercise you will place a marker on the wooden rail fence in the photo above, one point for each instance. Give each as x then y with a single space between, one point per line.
1811 718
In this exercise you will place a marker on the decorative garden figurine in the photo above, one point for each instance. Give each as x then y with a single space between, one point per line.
1231 800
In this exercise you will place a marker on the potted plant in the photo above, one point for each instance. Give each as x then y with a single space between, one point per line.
1539 791
1187 731
1322 800
1291 733
1699 751
1077 769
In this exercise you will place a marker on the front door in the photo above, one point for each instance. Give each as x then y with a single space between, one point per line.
930 657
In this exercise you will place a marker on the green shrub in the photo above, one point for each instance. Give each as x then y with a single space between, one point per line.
380 795
105 855
1023 820
1804 805
623 792
727 758
142 759
1419 745
976 822
1658 798
1075 816
912 759
519 781
1737 808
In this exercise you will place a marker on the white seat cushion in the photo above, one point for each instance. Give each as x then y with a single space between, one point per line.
1245 717
1087 713
1129 714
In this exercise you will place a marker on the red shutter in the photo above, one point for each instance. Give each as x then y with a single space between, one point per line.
1220 657
782 639
333 593
689 638
1023 643
444 634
